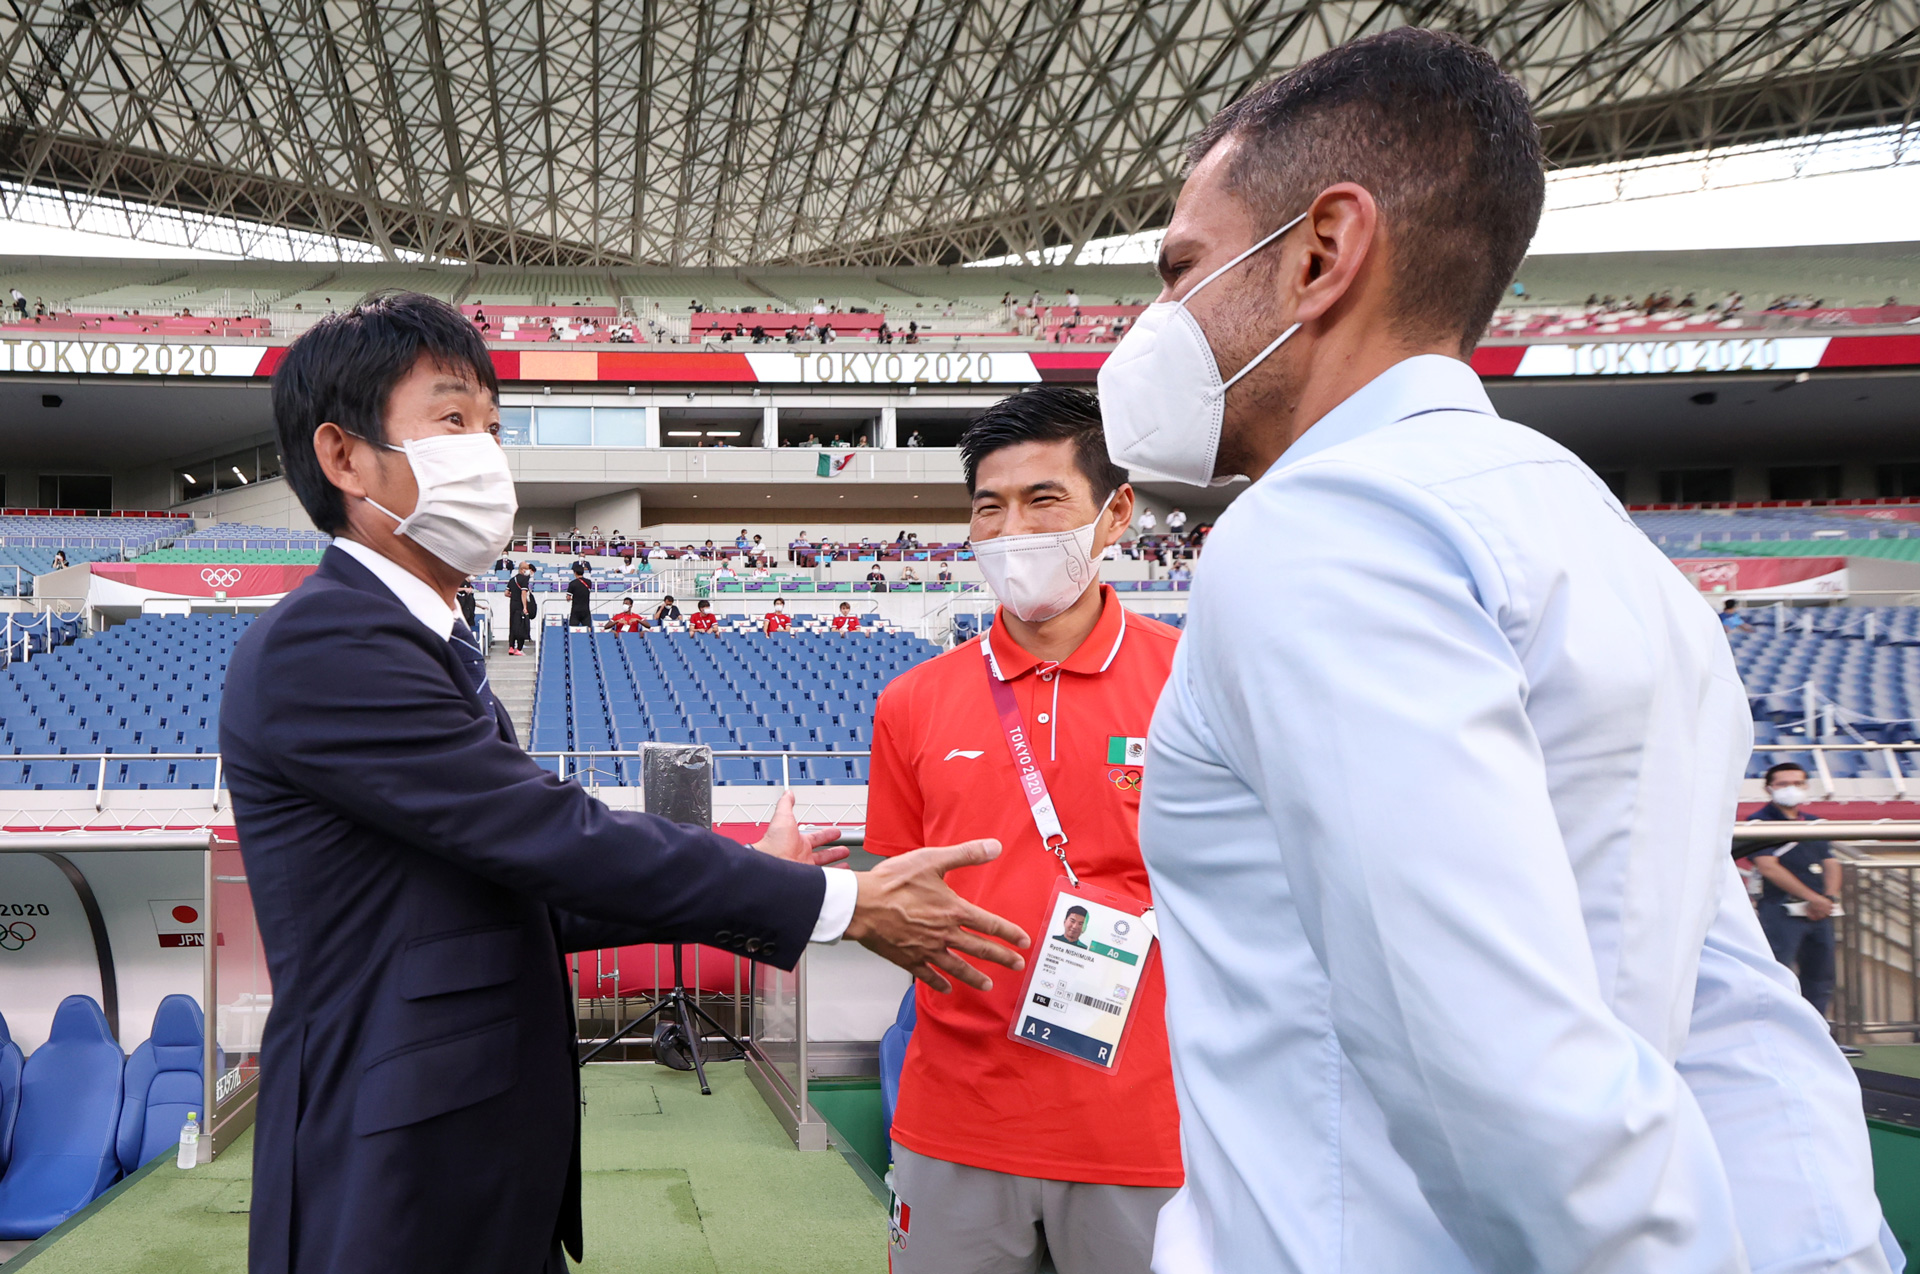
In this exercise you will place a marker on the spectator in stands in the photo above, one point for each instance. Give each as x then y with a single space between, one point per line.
503 563
520 608
907 576
59 559
913 439
703 620
863 441
723 574
1181 573
820 306
742 542
777 620
19 302
1051 1153
1177 521
876 578
1147 521
846 621
1800 889
580 598
626 620
758 553
1073 299
946 573
666 610
468 603
885 334
1589 1062
1732 620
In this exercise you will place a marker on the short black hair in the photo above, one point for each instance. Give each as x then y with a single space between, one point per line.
579 568
703 602
1784 765
1443 139
1044 413
1077 911
344 368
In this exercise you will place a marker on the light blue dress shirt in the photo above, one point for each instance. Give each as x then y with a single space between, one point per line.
1460 976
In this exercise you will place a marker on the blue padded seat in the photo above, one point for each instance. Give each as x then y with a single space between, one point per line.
11 1061
164 1081
893 1055
63 1141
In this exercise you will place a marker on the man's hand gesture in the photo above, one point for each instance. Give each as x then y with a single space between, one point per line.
907 913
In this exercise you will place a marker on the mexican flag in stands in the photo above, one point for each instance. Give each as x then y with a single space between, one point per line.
832 466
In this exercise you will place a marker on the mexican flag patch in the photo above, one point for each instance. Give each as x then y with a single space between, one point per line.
830 465
1129 751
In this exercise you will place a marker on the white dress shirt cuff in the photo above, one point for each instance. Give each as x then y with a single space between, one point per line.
836 909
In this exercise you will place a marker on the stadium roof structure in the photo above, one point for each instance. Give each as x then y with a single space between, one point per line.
819 132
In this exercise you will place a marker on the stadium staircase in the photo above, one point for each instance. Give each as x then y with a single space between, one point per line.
512 679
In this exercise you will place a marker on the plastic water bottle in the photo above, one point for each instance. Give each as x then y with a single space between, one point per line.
190 1140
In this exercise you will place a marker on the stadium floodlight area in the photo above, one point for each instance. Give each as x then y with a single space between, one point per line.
839 133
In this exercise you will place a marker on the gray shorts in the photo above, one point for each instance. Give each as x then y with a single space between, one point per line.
962 1220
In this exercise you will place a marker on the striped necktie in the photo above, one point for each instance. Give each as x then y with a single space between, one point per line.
474 660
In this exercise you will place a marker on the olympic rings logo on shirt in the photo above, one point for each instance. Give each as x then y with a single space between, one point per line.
1125 780
220 576
17 935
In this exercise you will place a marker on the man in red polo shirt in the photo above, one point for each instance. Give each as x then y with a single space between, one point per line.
627 621
703 620
1066 1140
846 621
777 620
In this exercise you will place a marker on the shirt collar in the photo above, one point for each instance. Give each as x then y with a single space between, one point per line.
412 592
1008 659
1411 387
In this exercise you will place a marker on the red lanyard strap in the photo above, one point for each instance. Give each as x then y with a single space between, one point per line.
1046 819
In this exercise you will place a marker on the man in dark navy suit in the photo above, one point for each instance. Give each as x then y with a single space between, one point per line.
418 879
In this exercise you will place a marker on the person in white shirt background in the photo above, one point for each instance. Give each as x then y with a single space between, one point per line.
1147 521
1460 974
1176 521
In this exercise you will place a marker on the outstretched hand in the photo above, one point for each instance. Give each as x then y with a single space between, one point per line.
785 839
908 913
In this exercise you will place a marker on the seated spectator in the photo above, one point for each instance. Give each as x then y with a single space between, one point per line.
741 542
703 620
626 621
946 573
777 619
1180 573
846 621
1732 620
907 576
666 610
913 439
504 563
59 559
724 575
877 579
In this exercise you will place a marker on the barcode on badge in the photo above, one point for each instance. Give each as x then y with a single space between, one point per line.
1103 1005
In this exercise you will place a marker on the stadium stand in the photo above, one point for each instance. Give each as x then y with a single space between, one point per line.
732 691
1844 674
1683 530
29 541
147 691
234 537
1898 550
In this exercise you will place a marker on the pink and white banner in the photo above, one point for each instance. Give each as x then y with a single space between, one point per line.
1766 576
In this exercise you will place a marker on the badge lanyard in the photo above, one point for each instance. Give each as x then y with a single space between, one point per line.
1046 819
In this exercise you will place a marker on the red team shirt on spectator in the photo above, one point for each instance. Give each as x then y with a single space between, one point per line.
942 774
703 621
846 623
778 621
626 622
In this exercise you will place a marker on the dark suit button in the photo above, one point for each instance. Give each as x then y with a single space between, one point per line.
753 946
723 937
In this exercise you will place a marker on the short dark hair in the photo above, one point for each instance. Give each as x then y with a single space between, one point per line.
1784 765
344 368
1044 413
703 602
579 568
1443 139
1077 911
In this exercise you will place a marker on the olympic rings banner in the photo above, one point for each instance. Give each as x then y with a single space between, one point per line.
197 579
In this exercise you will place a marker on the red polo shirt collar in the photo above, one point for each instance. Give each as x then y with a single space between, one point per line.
1096 653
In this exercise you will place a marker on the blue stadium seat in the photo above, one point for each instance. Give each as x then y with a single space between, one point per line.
893 1055
717 736
164 1082
736 770
11 1060
63 1142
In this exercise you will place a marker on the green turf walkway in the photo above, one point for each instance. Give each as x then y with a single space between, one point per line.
675 1183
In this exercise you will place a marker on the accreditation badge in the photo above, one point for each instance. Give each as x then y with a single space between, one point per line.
1083 980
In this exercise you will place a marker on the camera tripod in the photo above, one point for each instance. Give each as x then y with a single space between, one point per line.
675 1038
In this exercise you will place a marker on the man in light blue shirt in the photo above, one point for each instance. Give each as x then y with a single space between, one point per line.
1459 975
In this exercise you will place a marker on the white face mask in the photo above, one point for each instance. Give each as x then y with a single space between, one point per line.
1161 397
465 512
1040 575
1788 797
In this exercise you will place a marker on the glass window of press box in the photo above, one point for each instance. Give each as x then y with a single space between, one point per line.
230 472
561 426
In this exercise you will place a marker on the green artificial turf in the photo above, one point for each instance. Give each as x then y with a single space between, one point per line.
674 1183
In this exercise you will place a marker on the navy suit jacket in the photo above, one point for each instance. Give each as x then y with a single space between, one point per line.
417 879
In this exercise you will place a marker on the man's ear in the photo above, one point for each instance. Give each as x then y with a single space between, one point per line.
333 448
1341 225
